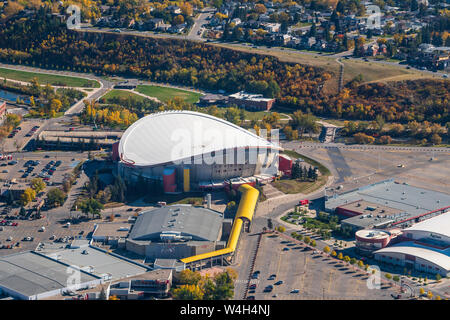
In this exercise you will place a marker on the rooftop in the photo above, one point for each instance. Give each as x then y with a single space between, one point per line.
366 207
30 274
372 234
112 229
408 199
439 225
167 137
184 220
438 257
249 96
98 262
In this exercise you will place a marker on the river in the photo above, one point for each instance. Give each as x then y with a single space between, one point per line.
12 96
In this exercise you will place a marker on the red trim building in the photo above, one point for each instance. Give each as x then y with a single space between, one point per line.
251 101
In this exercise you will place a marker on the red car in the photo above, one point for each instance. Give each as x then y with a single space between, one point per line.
14 224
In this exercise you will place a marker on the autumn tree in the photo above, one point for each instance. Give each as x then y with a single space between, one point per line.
189 277
12 8
38 184
436 139
186 9
385 139
260 8
27 196
179 19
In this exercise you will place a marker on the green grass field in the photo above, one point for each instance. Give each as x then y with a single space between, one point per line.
164 94
121 94
294 186
43 78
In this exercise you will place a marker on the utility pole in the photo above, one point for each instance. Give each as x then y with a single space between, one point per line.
378 162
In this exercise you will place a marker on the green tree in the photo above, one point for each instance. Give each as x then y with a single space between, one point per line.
91 206
55 197
38 184
224 285
188 292
189 277
22 212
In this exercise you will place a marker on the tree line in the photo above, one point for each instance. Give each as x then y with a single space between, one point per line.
46 42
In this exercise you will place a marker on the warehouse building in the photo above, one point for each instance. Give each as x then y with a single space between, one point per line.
183 150
178 231
387 204
32 276
424 247
97 261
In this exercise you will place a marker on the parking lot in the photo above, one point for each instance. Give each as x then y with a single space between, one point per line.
22 137
34 164
32 229
55 224
301 274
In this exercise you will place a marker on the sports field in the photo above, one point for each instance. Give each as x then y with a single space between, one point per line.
164 94
113 94
44 78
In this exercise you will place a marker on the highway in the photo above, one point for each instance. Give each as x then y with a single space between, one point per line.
299 145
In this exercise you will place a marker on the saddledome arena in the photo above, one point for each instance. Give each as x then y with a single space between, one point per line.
186 149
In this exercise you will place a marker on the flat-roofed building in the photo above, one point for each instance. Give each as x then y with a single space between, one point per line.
387 204
251 101
32 276
101 263
156 283
107 231
175 232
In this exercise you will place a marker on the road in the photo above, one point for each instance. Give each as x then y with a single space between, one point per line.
299 145
201 19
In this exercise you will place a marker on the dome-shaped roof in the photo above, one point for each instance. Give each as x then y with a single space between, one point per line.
171 136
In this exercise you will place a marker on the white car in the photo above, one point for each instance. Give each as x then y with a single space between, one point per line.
401 166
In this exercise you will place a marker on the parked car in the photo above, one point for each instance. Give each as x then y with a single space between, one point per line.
269 288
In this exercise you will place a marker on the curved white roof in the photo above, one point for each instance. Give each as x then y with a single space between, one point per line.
175 135
439 225
439 258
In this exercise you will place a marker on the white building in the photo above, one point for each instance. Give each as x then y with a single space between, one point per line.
426 247
183 148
